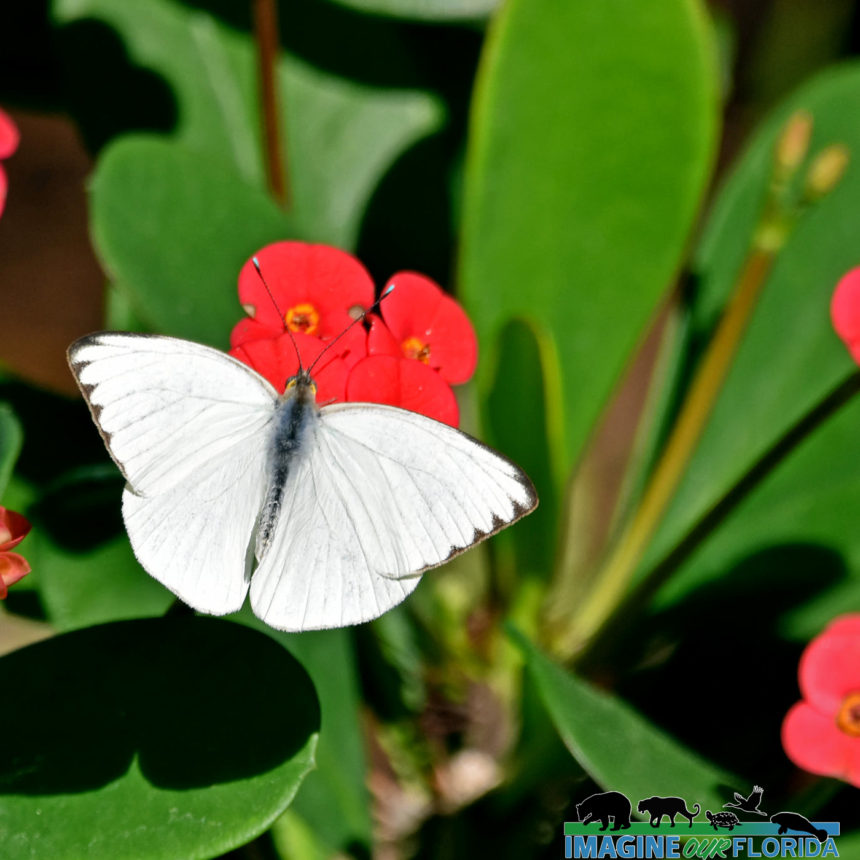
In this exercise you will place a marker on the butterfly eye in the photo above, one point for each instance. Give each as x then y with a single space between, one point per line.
291 383
313 387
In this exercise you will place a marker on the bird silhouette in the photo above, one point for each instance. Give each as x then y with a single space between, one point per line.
749 804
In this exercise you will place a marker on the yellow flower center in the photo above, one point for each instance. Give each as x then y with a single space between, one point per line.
414 348
848 718
303 317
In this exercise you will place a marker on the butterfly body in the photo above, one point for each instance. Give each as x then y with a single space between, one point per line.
295 412
342 507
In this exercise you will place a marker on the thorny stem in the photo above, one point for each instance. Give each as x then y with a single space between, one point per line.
694 413
610 637
266 37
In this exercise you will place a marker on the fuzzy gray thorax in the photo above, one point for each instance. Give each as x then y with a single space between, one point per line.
294 416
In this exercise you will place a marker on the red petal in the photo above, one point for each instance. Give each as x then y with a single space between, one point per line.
380 341
252 329
276 360
4 184
830 668
845 624
845 311
14 527
419 308
404 383
813 741
12 568
9 135
328 278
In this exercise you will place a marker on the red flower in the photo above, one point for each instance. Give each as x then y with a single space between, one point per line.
13 529
9 138
425 343
845 311
425 324
276 360
821 734
320 290
407 384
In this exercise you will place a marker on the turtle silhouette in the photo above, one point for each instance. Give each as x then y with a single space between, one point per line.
723 819
748 804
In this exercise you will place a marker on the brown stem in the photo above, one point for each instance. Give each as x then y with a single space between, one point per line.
266 37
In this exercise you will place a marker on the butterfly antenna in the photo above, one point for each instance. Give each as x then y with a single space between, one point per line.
281 314
387 292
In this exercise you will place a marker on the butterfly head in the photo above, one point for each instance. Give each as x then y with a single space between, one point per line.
301 386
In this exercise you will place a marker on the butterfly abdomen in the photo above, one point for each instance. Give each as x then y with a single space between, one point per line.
293 418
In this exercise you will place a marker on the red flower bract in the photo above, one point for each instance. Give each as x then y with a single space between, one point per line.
9 138
845 311
821 733
407 384
427 325
13 529
276 359
314 286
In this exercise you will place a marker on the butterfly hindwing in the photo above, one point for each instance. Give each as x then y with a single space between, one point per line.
377 496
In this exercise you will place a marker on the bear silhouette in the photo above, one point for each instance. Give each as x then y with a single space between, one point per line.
610 804
657 807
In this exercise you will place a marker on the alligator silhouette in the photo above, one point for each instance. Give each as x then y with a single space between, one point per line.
795 821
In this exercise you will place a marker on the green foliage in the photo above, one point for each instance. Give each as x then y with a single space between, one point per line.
581 184
589 140
619 748
10 444
785 365
101 767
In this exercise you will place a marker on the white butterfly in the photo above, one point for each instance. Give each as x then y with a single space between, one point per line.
328 514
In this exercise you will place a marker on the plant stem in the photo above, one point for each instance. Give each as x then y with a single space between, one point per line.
627 553
609 639
266 36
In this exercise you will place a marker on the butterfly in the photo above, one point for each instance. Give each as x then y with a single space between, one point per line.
327 515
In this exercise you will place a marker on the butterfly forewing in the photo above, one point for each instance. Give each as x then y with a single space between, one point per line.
381 494
165 406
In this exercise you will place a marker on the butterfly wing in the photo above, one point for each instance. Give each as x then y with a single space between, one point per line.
166 407
187 426
377 496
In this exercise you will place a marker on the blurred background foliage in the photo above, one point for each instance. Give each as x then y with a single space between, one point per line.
587 178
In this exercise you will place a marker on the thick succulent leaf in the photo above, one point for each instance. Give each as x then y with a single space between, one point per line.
592 134
618 747
164 738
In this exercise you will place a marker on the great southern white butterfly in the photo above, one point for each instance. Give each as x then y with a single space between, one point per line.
328 515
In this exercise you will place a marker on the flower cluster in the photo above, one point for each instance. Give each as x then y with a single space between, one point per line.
821 733
9 138
13 529
408 355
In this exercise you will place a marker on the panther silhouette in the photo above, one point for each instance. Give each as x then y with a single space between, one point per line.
657 807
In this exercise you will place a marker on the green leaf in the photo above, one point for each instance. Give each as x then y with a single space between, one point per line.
789 359
793 541
11 439
79 589
426 10
183 737
341 136
173 228
334 800
617 746
593 130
